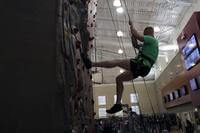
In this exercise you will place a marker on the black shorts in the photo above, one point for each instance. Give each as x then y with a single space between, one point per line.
138 68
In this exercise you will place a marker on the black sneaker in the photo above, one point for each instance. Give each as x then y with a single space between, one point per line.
116 108
86 61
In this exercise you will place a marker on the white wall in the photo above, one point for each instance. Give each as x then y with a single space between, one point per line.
109 90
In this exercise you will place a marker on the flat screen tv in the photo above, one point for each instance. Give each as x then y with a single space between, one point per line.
193 84
184 90
191 53
168 98
176 94
165 99
190 45
171 96
192 59
198 82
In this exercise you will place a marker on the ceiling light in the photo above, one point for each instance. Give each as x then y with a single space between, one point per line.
120 10
168 47
166 59
121 70
120 34
178 65
117 3
196 110
120 51
156 29
174 16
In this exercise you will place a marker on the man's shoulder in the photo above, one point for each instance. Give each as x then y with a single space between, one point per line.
150 38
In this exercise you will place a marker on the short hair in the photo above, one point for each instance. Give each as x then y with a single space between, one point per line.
149 28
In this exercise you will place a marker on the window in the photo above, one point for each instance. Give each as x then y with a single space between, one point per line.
135 109
134 98
102 100
120 113
102 112
115 99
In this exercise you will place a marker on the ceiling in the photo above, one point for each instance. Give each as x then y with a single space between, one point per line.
165 14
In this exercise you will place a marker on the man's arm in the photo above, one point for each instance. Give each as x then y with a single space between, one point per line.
135 42
135 33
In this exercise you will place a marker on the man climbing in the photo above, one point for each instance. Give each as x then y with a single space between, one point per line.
139 66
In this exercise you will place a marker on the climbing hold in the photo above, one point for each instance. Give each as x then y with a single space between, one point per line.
91 46
91 38
78 44
78 62
75 30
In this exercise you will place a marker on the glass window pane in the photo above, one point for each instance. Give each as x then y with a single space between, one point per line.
102 112
102 100
135 109
120 113
133 98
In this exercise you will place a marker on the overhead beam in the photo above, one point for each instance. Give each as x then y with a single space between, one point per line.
106 36
144 22
113 30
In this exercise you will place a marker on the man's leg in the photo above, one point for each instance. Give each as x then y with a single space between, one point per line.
124 63
126 76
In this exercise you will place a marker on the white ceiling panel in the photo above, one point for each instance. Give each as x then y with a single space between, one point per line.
166 14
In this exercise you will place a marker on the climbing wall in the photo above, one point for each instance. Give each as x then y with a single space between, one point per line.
76 37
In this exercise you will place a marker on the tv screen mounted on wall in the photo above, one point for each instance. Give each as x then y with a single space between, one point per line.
184 90
193 84
191 53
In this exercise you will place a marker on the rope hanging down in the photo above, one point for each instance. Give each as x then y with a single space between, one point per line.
124 53
135 53
129 18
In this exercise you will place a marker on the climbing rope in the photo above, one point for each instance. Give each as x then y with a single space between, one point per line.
129 18
137 98
126 56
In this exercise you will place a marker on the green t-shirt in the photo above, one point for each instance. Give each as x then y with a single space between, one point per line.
150 48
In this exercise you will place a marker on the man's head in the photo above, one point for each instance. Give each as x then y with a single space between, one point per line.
149 31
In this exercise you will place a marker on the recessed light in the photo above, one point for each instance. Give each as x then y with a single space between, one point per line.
121 70
120 10
117 3
174 16
166 59
156 29
178 65
120 33
120 51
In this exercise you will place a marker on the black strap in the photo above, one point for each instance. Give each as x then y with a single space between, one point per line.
148 58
